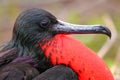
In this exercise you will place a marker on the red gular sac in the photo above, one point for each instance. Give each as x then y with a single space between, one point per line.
62 49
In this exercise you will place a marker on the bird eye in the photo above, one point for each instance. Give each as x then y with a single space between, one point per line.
44 23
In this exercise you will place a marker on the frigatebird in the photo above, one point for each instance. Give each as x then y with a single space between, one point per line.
40 49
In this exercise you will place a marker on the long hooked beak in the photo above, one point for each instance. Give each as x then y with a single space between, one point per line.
67 28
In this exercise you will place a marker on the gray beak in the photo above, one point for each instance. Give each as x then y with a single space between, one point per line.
67 28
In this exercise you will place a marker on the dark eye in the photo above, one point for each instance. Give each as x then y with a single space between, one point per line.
45 23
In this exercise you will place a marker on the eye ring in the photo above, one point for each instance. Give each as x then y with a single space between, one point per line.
44 23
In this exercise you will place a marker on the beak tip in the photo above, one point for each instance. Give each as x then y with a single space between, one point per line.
106 31
109 35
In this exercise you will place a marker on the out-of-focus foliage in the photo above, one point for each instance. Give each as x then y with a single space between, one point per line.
74 17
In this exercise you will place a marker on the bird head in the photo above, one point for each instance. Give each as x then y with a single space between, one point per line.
35 25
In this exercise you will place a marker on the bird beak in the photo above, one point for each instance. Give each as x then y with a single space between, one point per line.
67 28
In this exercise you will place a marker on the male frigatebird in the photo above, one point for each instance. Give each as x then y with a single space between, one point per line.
40 41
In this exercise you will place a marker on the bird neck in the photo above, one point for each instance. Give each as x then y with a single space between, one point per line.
60 45
27 43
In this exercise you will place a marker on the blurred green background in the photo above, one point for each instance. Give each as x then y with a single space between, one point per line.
106 12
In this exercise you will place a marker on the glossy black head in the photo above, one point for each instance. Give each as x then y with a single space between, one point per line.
30 27
31 23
